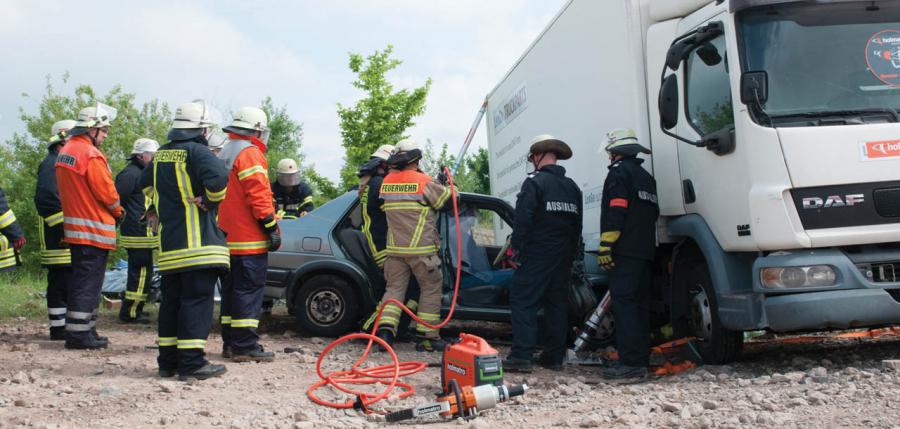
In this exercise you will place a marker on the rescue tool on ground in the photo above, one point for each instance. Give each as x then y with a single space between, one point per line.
465 402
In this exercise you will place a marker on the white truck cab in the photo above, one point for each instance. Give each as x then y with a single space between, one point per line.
776 150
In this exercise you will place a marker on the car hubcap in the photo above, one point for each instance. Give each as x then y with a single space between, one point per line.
701 314
324 307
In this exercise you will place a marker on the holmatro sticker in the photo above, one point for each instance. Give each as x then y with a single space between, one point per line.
883 56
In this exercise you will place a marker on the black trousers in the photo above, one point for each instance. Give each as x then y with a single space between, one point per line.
140 279
241 305
83 292
185 316
541 282
57 286
629 287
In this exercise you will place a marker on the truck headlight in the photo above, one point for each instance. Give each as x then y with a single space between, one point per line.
798 277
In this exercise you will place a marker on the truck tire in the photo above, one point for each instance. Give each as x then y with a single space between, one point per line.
698 315
326 306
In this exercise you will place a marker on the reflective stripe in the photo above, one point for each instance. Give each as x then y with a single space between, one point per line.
401 197
248 245
134 296
55 323
412 304
442 199
77 327
54 219
192 262
270 224
6 261
191 344
7 219
57 311
216 196
79 315
422 250
202 250
90 236
389 321
114 205
89 223
402 206
225 320
166 341
244 323
307 200
138 242
251 171
420 226
192 213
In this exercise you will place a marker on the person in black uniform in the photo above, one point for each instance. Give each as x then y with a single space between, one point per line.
55 255
545 239
136 234
187 183
12 236
627 248
292 195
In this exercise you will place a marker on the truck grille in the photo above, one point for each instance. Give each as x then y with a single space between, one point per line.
881 272
887 202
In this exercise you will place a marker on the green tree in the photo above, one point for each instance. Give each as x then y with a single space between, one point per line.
23 152
382 116
478 172
473 174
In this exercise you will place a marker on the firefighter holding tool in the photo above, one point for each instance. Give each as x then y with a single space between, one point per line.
545 240
627 247
411 201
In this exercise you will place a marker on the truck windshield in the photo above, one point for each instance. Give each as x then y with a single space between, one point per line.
835 60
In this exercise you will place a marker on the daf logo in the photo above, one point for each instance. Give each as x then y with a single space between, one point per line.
833 201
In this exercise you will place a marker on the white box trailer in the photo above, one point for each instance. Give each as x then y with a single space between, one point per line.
777 158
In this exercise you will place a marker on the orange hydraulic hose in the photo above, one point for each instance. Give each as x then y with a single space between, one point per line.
388 375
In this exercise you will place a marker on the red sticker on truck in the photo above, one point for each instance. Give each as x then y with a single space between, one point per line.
880 149
883 56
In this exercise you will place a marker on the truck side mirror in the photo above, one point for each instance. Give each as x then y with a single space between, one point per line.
709 54
754 87
668 102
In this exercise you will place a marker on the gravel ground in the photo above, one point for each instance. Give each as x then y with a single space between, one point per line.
833 383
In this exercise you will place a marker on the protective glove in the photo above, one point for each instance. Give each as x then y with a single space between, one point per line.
19 244
442 178
270 226
607 240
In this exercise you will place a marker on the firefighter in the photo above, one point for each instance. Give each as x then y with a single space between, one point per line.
137 232
371 175
248 219
55 255
187 183
411 201
627 248
292 195
91 210
12 237
545 239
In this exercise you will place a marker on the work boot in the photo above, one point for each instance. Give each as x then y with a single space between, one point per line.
166 373
406 336
90 344
226 352
622 372
58 333
386 335
511 364
430 344
99 337
551 365
258 355
209 370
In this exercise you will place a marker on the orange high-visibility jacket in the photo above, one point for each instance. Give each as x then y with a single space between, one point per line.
248 204
89 199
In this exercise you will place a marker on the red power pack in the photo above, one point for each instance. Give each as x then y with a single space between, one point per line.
471 362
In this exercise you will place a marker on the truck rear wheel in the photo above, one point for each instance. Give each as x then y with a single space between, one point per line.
695 313
326 306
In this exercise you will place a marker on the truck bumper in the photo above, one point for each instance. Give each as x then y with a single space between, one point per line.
854 301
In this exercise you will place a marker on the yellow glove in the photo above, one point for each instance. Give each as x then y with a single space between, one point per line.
605 259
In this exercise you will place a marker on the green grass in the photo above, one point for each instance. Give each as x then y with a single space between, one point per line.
21 295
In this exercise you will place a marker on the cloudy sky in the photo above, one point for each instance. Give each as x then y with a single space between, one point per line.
235 53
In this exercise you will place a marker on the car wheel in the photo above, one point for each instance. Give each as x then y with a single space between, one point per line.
326 306
697 314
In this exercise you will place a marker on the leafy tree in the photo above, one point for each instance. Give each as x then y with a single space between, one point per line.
22 153
478 174
382 116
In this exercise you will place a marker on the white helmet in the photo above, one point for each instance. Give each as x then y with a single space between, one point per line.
59 130
624 141
405 152
405 145
195 114
383 152
248 119
288 172
217 140
144 145
97 116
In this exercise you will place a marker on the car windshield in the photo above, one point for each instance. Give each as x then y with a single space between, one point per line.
825 59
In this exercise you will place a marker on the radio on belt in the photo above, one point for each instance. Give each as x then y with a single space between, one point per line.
471 362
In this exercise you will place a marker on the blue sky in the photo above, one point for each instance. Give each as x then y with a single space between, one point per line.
235 53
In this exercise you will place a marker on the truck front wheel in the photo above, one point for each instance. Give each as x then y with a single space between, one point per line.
695 313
